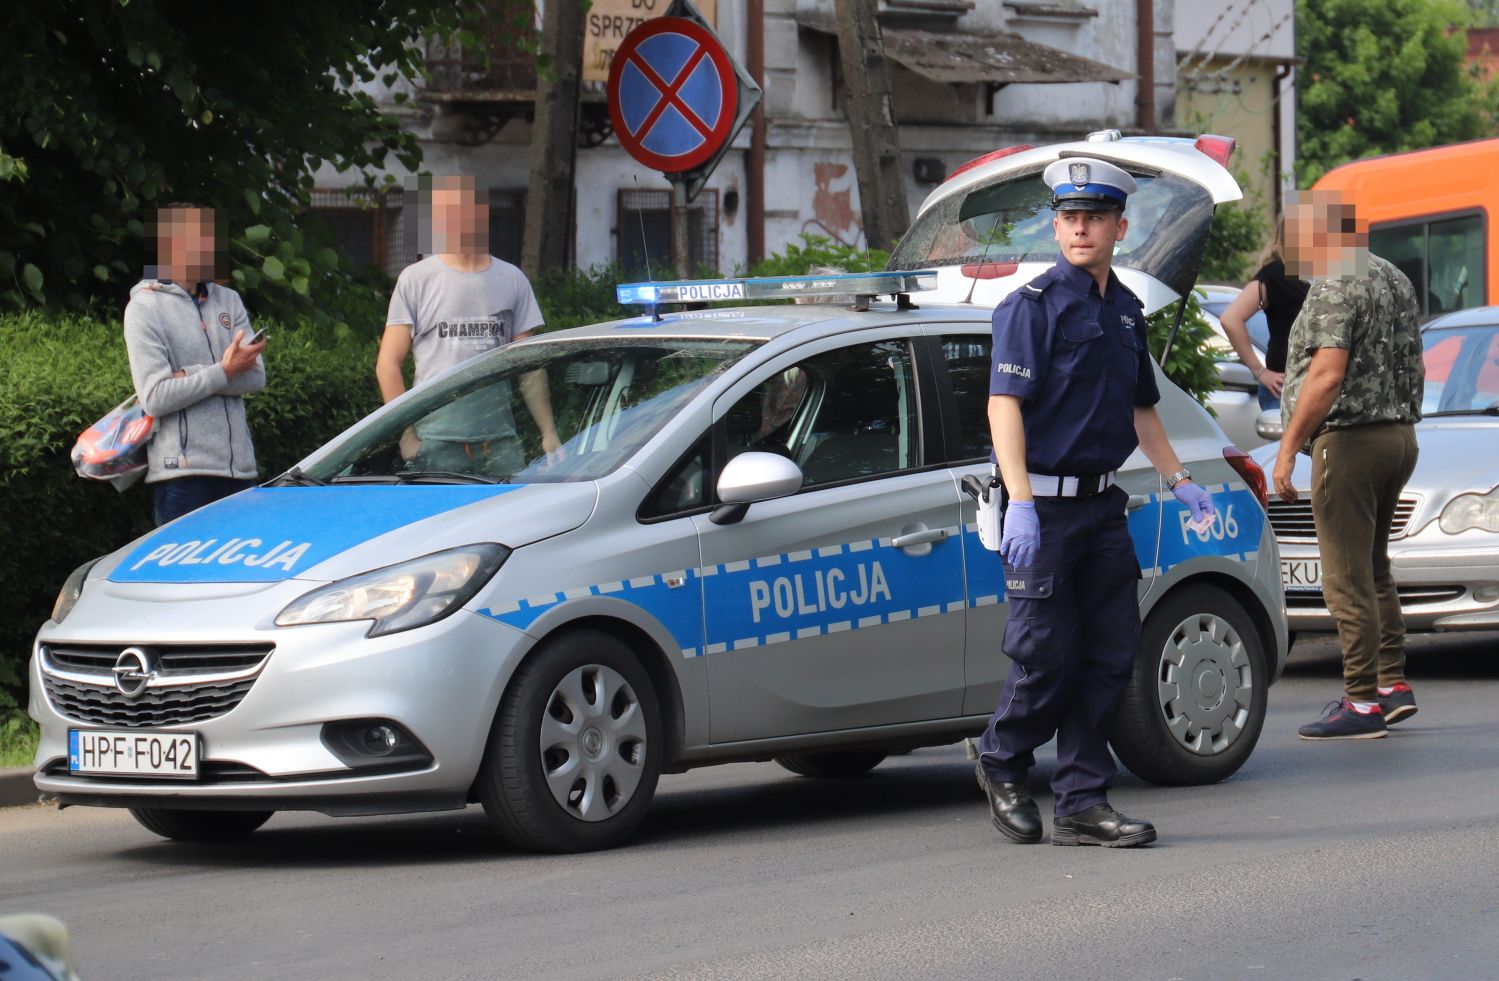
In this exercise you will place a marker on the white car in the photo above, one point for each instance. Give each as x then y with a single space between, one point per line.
1236 404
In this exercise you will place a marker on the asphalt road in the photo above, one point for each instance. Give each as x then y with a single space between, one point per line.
1369 859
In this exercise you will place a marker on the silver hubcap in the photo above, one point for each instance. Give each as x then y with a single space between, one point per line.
593 742
1205 684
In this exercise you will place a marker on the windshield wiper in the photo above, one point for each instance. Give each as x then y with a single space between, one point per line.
297 477
416 477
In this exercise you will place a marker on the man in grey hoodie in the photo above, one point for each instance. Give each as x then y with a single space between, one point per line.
191 363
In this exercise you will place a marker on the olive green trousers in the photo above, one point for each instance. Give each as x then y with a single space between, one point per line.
1357 476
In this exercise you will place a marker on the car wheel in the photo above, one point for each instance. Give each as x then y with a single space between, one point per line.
1195 704
1290 639
182 825
575 750
841 763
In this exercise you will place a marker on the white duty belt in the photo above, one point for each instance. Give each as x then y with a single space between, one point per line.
1046 485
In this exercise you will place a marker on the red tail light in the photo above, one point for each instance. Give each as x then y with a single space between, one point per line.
988 157
1220 148
990 270
1250 471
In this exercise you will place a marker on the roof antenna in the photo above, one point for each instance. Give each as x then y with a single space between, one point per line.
645 249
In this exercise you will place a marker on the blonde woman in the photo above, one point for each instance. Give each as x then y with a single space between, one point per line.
1280 296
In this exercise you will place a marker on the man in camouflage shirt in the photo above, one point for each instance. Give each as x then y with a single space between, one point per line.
1353 393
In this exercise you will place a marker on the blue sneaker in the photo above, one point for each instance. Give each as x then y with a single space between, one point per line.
1399 704
1343 721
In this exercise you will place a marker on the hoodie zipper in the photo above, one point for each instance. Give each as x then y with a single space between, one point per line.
223 400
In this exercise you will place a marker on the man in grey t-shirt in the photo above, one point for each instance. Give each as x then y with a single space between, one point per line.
457 303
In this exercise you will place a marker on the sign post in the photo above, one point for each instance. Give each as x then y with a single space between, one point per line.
676 100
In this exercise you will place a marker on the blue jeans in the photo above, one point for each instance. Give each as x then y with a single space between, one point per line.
176 497
1268 401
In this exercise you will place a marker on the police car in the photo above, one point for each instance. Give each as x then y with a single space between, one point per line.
754 545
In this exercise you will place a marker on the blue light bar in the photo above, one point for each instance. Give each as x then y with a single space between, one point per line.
777 287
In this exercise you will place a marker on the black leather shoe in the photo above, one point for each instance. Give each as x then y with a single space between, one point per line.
1101 825
1015 815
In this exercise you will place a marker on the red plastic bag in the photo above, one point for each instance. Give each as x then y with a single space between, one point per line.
115 446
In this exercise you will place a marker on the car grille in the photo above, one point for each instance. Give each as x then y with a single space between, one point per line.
1293 522
1410 596
194 683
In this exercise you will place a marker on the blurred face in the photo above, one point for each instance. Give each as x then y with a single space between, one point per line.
460 223
1087 238
185 245
1323 236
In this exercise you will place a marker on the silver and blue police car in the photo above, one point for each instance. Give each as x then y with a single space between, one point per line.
755 545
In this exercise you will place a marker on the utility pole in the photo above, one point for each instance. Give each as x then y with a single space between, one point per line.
871 121
554 145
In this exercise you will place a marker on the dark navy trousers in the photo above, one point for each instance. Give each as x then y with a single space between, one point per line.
1074 623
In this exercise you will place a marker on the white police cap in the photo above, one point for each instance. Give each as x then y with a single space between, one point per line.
1086 184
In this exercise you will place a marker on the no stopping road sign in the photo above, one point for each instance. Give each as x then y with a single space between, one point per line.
673 94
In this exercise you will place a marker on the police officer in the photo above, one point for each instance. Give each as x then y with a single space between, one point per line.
1072 393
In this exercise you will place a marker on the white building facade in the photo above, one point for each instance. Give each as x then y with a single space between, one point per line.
965 75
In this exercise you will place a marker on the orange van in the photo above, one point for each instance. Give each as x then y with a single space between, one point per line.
1428 214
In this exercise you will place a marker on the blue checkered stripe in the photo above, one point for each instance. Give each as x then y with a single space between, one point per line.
773 599
1234 534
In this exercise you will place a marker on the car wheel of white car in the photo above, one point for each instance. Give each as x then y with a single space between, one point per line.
1195 704
180 825
834 763
575 750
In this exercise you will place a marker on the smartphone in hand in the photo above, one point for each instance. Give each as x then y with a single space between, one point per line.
254 338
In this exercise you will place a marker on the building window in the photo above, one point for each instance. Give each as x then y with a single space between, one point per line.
365 225
369 228
643 233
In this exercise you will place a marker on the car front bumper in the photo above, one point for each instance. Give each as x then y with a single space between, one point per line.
1446 582
440 683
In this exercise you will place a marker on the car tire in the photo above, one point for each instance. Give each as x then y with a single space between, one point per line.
581 707
1195 703
181 825
836 763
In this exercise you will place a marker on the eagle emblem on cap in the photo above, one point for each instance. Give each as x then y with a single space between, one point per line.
1078 172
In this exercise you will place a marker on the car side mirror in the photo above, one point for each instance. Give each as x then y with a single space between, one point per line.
1267 426
752 477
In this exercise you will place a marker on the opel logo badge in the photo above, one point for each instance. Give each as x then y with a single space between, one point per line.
133 672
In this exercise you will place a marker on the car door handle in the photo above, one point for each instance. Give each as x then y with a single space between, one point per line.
1137 501
920 538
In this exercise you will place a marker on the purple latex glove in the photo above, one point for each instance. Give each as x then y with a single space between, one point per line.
1021 539
1199 501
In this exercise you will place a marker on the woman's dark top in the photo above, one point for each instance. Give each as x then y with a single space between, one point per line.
1283 296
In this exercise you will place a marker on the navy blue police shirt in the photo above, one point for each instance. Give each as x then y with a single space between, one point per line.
1080 364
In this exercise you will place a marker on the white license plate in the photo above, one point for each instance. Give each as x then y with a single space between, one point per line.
1301 573
171 755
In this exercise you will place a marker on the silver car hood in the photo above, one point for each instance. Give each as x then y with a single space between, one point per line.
271 534
1459 455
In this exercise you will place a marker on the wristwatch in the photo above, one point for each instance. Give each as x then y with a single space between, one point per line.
1178 477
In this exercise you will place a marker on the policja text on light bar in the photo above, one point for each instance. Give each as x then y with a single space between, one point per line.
777 287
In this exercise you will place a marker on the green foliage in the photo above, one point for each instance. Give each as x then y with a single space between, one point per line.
816 250
1191 365
1238 236
576 297
59 374
18 734
1383 76
115 107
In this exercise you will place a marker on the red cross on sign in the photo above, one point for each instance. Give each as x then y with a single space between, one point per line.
672 94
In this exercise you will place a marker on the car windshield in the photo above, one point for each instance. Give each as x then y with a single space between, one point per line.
1462 370
477 423
1009 220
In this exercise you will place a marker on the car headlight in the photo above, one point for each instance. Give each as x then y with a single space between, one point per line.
1471 511
72 588
403 596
